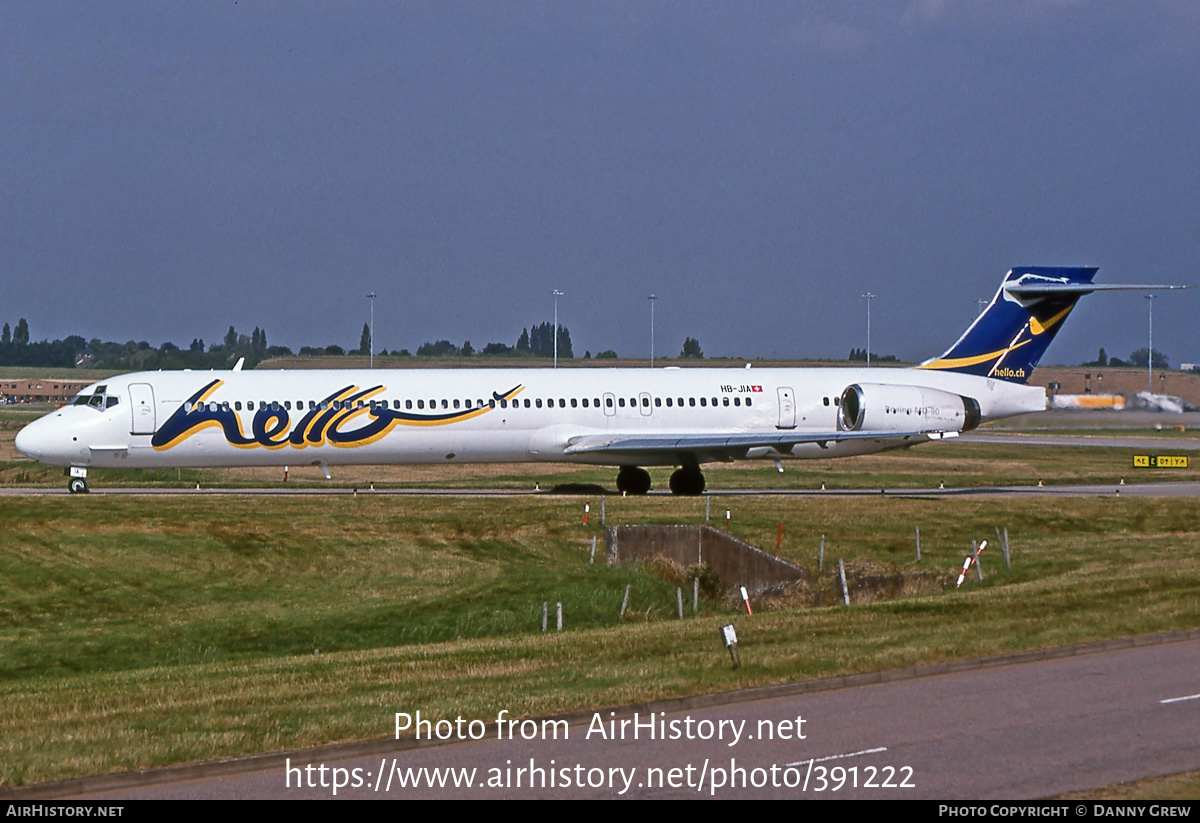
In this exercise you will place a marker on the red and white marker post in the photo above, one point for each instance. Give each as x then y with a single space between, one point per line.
967 561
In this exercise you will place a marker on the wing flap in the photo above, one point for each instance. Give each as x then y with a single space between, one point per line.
721 442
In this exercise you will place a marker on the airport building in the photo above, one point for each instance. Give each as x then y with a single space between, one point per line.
33 390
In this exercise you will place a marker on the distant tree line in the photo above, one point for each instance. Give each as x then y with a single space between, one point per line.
1140 358
16 349
860 355
535 341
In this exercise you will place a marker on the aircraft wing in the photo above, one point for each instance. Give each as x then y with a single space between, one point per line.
727 446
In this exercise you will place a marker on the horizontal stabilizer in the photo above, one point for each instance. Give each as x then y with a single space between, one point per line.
1008 339
1043 289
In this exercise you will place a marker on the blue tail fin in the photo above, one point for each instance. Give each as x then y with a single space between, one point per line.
1012 334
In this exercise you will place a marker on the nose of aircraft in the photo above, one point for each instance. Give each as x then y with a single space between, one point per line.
30 442
41 440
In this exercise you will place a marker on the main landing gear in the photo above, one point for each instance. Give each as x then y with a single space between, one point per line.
688 481
632 480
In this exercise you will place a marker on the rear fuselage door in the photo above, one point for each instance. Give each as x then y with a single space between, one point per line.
644 404
141 402
787 408
610 404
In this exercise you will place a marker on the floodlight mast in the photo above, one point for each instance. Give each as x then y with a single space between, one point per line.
371 333
557 294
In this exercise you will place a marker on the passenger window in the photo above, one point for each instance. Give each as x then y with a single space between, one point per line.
445 404
420 404
747 401
692 401
680 402
826 399
491 404
703 401
608 402
669 403
408 404
574 403
658 402
527 403
538 402
724 401
596 402
456 402
621 402
737 401
562 404
287 404
646 402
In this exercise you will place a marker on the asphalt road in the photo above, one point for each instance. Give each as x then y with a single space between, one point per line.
1161 489
996 730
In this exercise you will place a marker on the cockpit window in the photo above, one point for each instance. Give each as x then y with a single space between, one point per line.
97 400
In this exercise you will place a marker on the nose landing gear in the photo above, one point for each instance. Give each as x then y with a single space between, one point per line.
78 482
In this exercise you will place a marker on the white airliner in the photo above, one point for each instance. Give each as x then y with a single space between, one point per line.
629 418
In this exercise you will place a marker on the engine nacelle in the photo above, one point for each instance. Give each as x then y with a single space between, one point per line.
879 407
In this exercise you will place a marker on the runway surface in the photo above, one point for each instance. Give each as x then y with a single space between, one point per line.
1004 730
1160 489
1152 445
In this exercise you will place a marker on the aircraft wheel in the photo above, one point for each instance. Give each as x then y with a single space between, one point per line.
632 480
689 482
77 486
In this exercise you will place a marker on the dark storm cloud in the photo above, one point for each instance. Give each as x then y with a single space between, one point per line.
171 169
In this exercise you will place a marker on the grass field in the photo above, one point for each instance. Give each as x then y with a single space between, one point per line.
957 465
138 632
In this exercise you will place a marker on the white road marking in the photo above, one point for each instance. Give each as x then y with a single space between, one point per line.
840 756
1180 699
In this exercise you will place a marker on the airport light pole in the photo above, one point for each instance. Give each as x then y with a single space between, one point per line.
557 294
869 297
652 298
1150 350
371 334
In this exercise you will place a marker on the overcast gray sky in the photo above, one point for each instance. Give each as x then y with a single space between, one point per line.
169 169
